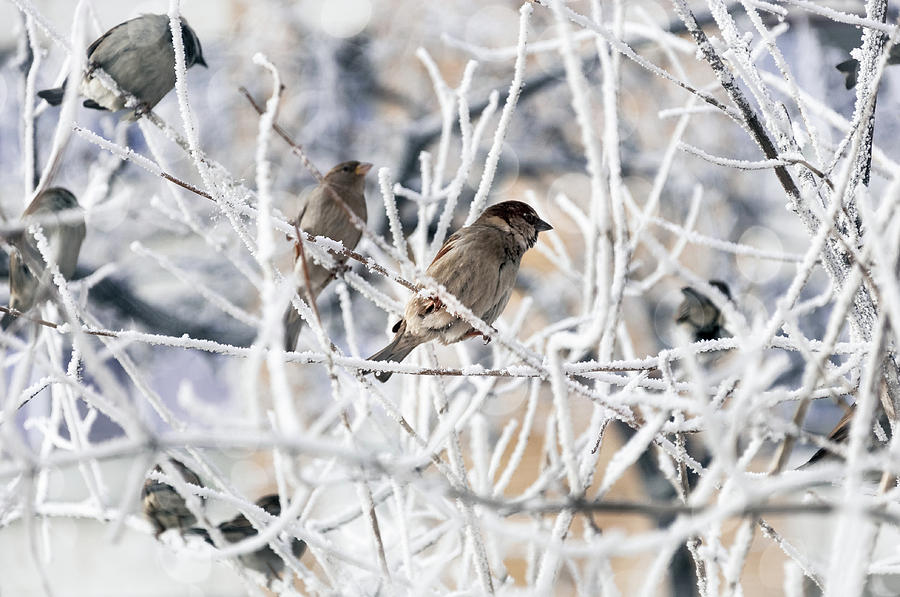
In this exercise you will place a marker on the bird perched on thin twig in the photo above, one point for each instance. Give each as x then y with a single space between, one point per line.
57 212
139 56
321 214
850 68
478 265
163 506
700 315
264 559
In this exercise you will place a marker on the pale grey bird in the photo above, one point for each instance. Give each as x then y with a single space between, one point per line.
264 559
139 56
322 215
163 506
478 265
59 215
700 315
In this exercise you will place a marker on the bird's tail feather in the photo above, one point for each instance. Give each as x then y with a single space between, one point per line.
200 533
54 96
293 323
397 350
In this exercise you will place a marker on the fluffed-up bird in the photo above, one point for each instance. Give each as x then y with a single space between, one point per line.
264 559
163 506
850 68
700 315
57 212
478 265
139 56
321 214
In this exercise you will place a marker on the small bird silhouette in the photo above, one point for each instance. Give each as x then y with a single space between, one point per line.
700 315
850 68
57 211
264 559
163 506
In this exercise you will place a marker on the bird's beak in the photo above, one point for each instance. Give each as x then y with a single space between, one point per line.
199 60
542 226
363 169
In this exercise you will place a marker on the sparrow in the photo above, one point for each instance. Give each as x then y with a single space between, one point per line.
850 68
139 56
163 506
841 433
263 560
29 281
322 215
477 264
700 315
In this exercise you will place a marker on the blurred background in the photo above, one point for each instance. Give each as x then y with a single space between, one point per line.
355 89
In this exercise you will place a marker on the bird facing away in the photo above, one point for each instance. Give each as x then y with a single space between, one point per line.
850 68
322 215
57 212
700 315
264 559
478 265
163 506
139 56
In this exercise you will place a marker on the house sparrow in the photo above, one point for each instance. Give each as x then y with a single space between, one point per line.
700 315
477 264
841 433
163 506
139 56
322 215
850 68
263 560
29 282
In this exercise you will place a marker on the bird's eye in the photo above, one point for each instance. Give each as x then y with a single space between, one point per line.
346 168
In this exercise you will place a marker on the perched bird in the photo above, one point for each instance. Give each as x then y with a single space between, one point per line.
263 560
841 433
322 215
850 68
478 265
139 56
163 506
700 315
58 213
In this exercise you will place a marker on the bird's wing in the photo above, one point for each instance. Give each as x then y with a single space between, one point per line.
841 431
471 266
99 40
448 246
141 26
684 309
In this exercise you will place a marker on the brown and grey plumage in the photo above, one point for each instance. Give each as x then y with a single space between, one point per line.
841 433
139 56
478 265
263 560
322 215
163 506
59 215
700 315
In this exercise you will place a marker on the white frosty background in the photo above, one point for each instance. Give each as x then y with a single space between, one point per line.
589 449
